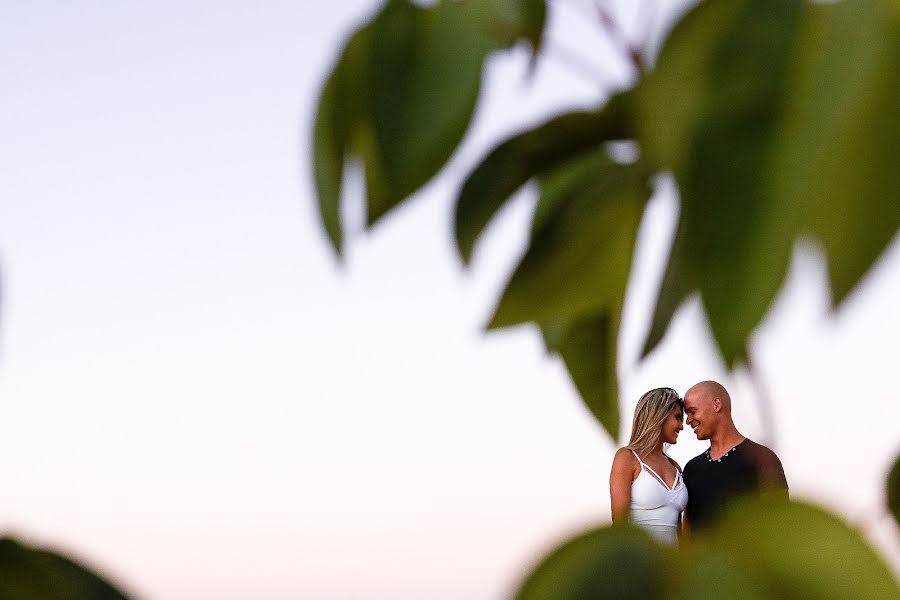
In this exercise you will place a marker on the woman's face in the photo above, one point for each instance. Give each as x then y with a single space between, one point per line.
672 425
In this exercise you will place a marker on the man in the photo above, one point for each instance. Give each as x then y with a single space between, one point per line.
732 466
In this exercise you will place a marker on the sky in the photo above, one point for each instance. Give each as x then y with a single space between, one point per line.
200 401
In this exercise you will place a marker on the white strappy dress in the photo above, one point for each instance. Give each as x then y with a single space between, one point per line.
655 506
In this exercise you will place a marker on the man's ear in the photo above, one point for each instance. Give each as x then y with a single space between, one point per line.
717 404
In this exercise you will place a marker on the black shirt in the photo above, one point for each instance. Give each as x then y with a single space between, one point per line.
711 484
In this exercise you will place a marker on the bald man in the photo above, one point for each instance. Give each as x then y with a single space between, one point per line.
732 466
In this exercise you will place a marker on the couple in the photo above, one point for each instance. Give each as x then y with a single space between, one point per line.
649 489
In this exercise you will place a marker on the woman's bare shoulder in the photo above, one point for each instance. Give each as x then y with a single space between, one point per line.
625 454
625 459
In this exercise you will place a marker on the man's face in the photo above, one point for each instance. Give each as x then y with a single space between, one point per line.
701 416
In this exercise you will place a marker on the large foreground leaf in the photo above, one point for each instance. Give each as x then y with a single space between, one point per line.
759 550
709 113
426 73
783 550
32 574
619 562
679 282
572 279
513 20
777 117
580 252
340 120
531 153
839 145
587 347
402 94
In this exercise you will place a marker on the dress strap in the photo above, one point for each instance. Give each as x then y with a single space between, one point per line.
655 474
638 458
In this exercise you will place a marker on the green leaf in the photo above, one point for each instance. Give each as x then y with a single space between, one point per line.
720 81
32 574
785 550
402 94
776 118
893 490
580 253
572 278
671 99
519 19
709 573
329 161
678 283
339 121
588 349
619 562
838 145
426 75
528 154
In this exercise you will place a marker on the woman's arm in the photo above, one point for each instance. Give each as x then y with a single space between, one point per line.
684 528
621 477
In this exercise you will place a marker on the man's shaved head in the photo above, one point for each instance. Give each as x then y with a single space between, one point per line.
707 407
707 391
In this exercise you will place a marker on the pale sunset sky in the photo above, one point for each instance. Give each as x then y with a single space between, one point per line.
199 401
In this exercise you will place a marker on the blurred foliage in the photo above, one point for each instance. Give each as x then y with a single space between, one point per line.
759 550
37 574
777 118
893 490
619 561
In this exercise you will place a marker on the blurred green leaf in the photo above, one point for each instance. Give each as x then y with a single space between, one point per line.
31 574
776 118
338 119
528 154
720 80
587 347
426 74
786 550
619 562
893 490
401 96
328 148
572 278
519 19
672 98
580 252
678 283
839 142
709 573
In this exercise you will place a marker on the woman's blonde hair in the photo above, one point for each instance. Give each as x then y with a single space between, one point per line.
649 415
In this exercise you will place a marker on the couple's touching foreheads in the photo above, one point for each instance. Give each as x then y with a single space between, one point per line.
649 489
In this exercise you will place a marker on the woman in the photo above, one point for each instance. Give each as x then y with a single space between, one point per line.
645 485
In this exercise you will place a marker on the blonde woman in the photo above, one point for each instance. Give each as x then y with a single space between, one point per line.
645 485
